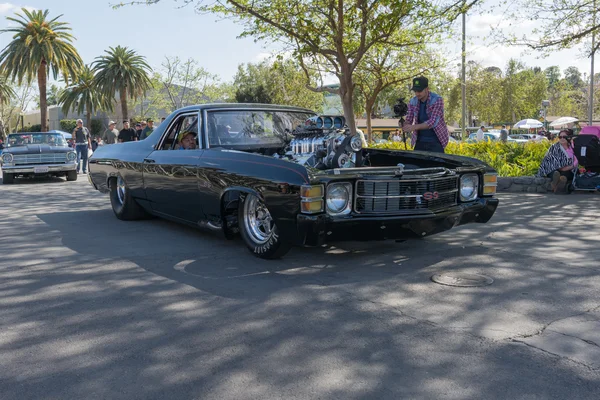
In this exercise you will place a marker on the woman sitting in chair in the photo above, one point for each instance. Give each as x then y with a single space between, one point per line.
186 141
560 163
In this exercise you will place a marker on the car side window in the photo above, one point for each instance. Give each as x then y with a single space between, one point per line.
182 126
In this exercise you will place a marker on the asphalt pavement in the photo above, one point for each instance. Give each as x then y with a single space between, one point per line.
92 307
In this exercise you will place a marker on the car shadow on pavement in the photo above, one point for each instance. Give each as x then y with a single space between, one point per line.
354 320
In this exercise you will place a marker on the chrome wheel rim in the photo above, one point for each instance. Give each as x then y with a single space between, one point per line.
258 222
121 190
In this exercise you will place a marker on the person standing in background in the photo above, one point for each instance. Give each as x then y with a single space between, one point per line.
425 118
111 134
127 134
148 129
83 142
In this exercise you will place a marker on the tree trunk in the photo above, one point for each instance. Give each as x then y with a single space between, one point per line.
88 120
346 91
43 103
369 127
123 95
370 103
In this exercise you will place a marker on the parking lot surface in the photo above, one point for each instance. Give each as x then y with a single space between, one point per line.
93 307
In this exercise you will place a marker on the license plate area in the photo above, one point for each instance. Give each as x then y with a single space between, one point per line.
40 170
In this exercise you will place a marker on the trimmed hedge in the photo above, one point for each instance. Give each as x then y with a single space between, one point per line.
68 125
509 159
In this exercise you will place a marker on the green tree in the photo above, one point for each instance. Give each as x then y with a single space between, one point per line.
384 67
281 82
124 71
334 35
553 75
39 46
6 91
186 83
573 77
566 23
84 96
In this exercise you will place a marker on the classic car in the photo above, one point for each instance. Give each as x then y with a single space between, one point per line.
283 176
32 154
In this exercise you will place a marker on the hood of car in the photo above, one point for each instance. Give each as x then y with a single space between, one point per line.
37 149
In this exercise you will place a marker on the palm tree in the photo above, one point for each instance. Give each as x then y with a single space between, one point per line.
6 91
84 95
123 71
38 46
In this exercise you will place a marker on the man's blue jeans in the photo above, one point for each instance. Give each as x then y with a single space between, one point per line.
82 155
429 146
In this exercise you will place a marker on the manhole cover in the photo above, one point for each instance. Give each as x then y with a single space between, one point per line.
461 279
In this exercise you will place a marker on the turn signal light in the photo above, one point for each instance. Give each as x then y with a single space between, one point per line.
312 206
490 183
309 192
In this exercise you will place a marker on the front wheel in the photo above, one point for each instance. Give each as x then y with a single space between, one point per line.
71 176
258 230
123 204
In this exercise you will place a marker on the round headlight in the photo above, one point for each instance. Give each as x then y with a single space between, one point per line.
356 143
71 156
7 158
338 198
468 187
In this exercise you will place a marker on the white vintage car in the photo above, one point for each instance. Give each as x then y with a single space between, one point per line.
31 154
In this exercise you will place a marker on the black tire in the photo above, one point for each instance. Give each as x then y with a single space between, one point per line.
262 241
124 206
71 176
7 178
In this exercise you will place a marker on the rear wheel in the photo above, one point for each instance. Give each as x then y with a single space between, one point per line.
71 176
258 230
124 206
8 178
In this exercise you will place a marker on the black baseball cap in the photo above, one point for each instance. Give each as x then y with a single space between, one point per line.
420 83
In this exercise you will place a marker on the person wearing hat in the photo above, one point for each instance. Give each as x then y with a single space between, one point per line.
186 141
138 130
425 118
111 134
127 134
148 129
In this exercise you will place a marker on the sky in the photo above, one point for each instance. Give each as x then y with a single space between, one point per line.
168 29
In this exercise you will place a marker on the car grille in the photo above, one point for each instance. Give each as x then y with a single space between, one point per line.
405 196
47 158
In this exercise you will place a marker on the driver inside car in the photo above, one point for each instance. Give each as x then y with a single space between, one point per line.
187 141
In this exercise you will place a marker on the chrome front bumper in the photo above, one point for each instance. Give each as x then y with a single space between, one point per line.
38 168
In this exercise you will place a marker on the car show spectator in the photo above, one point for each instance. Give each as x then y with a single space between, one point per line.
127 134
111 134
560 163
83 143
504 134
138 130
480 134
148 129
425 118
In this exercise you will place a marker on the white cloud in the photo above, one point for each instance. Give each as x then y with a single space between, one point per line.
8 8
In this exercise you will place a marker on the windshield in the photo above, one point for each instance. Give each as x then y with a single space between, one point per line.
252 129
23 139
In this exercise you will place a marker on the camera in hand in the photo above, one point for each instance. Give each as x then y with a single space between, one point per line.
400 108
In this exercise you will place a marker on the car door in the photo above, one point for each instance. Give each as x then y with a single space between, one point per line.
171 174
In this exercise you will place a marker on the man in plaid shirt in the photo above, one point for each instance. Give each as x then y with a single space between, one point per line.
425 118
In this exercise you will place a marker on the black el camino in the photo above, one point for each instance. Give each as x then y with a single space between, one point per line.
283 176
